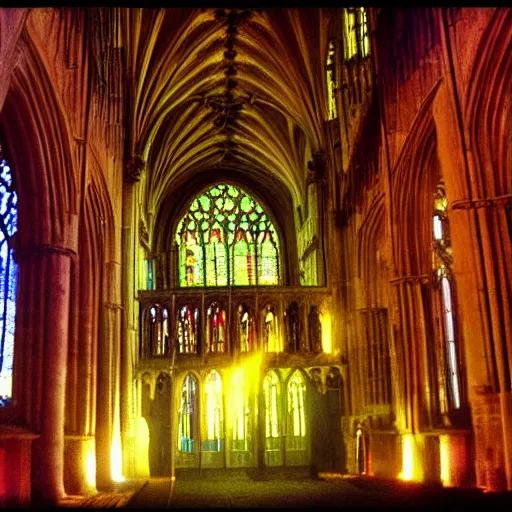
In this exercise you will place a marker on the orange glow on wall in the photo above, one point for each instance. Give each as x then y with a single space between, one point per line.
117 459
407 458
90 465
444 456
325 320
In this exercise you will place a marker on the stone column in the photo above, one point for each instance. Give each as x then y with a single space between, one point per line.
42 328
129 330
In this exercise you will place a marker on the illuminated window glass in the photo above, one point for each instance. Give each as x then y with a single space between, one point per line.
240 411
271 341
158 330
331 81
226 238
8 280
216 328
363 39
296 439
442 261
272 392
187 416
246 339
213 413
350 36
187 330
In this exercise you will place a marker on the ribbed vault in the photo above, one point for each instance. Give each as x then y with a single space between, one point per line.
237 89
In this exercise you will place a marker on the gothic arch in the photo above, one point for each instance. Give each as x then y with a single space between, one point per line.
39 138
414 182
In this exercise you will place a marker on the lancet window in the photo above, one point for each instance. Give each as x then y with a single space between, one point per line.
246 334
272 393
158 330
213 420
296 421
225 238
357 41
450 393
239 401
8 279
187 330
216 328
188 415
331 81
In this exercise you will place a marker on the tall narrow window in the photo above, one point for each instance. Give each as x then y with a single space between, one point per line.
158 330
225 238
331 81
245 329
188 415
216 328
239 402
450 392
214 421
271 340
350 33
187 330
296 412
8 279
363 39
272 392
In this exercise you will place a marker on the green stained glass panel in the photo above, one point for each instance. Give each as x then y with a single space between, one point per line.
225 211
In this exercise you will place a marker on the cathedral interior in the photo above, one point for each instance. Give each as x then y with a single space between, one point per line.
254 238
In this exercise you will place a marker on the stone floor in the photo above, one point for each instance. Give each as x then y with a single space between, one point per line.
243 490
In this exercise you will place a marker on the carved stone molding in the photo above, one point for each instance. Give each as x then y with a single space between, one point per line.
488 202
133 169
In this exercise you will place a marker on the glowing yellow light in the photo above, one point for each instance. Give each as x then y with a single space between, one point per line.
407 458
325 320
117 459
90 465
444 455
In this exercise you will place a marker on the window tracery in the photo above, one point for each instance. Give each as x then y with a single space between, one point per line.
225 238
8 279
188 415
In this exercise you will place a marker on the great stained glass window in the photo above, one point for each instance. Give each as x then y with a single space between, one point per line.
8 280
296 412
214 419
188 415
272 393
225 238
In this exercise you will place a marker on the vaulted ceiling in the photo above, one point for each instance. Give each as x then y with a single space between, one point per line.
233 89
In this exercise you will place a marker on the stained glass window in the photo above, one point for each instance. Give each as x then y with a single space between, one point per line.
296 412
245 329
158 330
187 330
216 328
331 81
239 402
356 36
188 414
350 38
442 262
213 412
271 339
272 392
8 280
225 238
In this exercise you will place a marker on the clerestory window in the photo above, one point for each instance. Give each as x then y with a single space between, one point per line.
225 238
8 279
